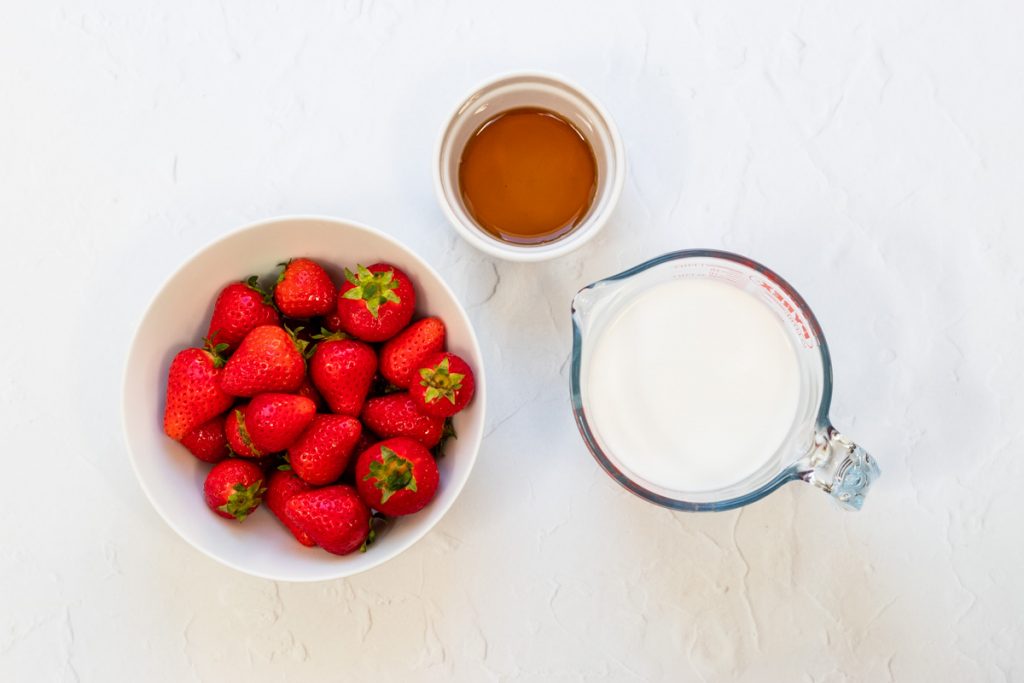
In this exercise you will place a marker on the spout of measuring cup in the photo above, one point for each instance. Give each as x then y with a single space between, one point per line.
583 303
841 468
591 299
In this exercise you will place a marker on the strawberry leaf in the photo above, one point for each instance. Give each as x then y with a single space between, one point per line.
374 289
244 500
440 383
283 265
392 472
376 520
215 350
448 433
326 335
253 283
304 348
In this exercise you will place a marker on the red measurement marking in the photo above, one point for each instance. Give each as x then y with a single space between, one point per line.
793 313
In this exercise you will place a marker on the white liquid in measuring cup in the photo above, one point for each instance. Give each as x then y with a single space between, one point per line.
693 386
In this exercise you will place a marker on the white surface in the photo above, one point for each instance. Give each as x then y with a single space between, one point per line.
693 386
172 478
870 152
514 91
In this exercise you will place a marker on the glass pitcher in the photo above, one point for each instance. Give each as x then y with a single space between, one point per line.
813 451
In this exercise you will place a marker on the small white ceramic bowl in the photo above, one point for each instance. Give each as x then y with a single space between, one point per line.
529 89
178 316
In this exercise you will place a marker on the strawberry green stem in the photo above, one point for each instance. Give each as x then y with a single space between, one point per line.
447 434
215 350
440 383
326 335
393 474
376 289
244 500
304 347
243 433
253 283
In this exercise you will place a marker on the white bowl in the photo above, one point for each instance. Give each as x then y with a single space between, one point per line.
178 317
530 89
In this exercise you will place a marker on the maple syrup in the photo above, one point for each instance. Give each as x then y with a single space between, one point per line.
528 176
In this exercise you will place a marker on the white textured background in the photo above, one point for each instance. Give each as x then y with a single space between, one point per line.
869 151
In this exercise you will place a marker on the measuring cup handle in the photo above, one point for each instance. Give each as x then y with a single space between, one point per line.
840 468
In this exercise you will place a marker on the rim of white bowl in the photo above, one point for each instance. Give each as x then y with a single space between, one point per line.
480 395
575 239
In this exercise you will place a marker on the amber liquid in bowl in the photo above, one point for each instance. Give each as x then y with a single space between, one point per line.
528 176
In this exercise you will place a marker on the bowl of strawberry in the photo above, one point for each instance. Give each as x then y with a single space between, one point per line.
304 399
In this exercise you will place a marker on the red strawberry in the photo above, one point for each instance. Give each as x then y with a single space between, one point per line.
401 356
282 486
237 435
332 321
194 393
397 476
342 370
321 453
334 516
240 307
309 391
275 421
266 360
234 488
375 303
445 385
396 415
207 441
304 289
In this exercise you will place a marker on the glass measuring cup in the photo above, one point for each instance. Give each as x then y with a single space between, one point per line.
813 451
